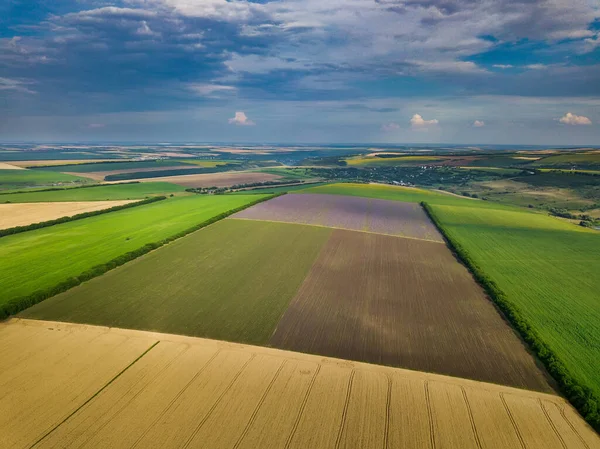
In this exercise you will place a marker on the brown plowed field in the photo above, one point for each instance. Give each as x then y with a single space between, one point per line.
224 179
347 212
75 386
22 214
403 302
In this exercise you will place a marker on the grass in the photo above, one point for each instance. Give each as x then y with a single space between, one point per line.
277 189
547 270
116 165
40 259
99 193
230 281
569 159
292 174
499 170
210 163
15 179
382 161
398 193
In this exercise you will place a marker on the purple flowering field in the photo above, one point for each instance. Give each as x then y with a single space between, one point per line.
347 212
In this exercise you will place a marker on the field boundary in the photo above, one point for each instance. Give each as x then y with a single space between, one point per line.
21 303
45 224
53 189
579 395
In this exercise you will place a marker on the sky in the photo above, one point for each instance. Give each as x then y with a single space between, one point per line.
301 71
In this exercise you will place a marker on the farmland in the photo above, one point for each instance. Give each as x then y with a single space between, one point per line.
230 281
22 214
402 302
547 268
224 179
14 179
334 211
159 390
96 193
81 245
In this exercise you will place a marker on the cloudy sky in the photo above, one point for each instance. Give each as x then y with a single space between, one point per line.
390 71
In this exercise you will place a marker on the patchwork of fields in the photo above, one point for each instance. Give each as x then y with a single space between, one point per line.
70 249
120 388
22 214
351 271
224 179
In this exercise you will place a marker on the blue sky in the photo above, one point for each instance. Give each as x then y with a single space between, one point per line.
390 71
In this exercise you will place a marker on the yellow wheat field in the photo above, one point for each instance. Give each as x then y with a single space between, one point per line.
66 386
22 214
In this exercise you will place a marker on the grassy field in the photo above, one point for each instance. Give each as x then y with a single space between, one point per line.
115 165
174 391
210 163
99 193
278 189
569 160
382 161
15 179
74 247
547 268
398 193
230 281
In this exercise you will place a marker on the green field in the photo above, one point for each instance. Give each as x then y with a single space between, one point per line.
99 193
278 189
570 159
398 193
382 161
210 163
230 281
40 259
109 166
292 174
16 179
547 268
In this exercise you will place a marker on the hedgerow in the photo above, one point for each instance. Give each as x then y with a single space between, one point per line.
45 224
16 305
581 396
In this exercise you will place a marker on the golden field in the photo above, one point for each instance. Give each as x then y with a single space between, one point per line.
65 385
23 214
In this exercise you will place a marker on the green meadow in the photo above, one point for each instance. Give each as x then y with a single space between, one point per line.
96 193
40 259
15 179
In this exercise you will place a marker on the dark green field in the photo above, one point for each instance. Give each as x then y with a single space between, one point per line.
16 179
230 281
96 193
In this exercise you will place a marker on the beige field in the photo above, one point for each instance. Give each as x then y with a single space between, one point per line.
224 179
66 386
11 166
22 214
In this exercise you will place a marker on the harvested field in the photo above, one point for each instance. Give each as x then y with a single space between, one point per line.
347 212
5 166
22 214
231 281
403 302
158 390
224 179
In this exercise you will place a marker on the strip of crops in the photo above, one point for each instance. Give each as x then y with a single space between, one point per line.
42 263
45 224
543 275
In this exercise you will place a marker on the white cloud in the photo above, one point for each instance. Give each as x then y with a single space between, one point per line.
16 85
572 119
503 66
448 66
417 122
536 66
210 89
389 127
241 119
478 123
